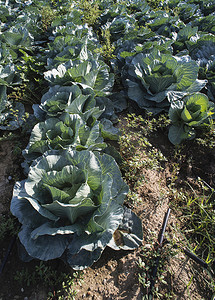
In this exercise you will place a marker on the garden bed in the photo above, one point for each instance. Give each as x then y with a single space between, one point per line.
110 105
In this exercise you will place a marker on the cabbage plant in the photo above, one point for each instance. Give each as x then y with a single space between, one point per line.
155 80
92 73
119 26
205 24
71 207
68 131
11 113
74 100
161 22
202 49
71 99
194 112
62 49
185 34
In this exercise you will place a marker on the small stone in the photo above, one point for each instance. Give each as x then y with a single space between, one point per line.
104 281
22 290
89 294
26 298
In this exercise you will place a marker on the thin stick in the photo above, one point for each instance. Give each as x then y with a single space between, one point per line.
7 254
155 268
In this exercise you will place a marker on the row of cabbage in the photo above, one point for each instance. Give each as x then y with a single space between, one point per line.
71 204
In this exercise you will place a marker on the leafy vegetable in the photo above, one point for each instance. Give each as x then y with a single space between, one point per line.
65 48
205 24
161 22
119 26
71 99
194 112
188 11
68 132
92 74
202 49
155 80
184 35
70 207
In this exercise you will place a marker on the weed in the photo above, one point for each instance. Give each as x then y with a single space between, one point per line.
107 48
25 277
137 151
195 204
48 15
198 215
150 253
65 292
91 11
60 283
157 4
8 226
208 136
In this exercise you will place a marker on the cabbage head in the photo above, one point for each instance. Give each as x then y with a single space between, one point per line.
155 80
92 73
71 207
68 131
71 99
194 112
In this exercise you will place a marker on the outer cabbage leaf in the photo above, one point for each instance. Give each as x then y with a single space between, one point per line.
207 7
188 11
210 75
3 97
67 27
141 41
119 26
163 23
74 201
8 75
17 37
